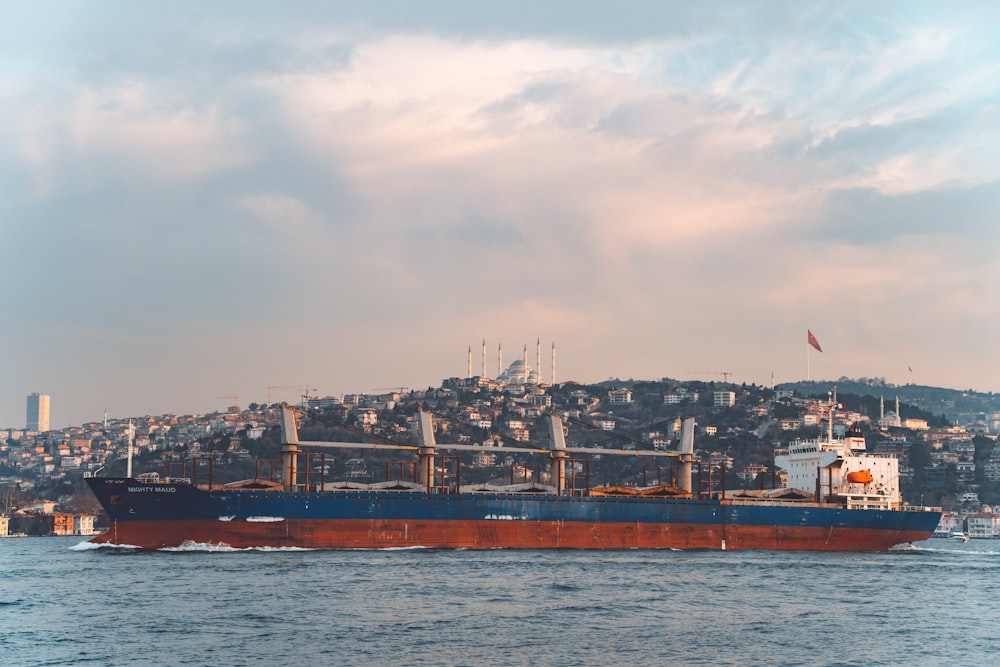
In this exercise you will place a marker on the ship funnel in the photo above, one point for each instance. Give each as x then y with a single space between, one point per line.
686 454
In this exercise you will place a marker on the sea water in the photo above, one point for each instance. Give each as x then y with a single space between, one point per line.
65 602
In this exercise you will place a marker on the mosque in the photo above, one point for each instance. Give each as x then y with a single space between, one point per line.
520 371
891 418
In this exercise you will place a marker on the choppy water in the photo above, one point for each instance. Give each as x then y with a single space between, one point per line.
63 602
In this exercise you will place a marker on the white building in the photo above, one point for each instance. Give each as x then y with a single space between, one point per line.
680 396
983 525
620 396
605 424
83 524
520 373
723 399
890 419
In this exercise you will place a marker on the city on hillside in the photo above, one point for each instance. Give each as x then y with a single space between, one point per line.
944 461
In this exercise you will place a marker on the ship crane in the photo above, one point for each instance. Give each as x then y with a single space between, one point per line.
428 448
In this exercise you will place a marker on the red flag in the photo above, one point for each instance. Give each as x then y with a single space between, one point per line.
812 340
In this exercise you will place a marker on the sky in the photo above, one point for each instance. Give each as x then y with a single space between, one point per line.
202 200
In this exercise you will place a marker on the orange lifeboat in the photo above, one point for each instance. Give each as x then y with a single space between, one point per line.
860 477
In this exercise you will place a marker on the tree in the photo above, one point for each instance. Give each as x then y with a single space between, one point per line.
11 498
81 502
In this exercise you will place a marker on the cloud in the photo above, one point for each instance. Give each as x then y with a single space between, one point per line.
658 191
121 133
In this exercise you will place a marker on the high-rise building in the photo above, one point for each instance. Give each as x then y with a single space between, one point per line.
38 413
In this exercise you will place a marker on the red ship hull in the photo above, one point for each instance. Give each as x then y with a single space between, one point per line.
386 534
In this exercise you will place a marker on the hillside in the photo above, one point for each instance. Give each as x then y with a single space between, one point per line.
956 405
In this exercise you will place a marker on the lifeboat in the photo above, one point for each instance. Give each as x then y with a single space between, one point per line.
860 477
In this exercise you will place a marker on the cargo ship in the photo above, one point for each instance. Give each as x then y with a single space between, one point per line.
838 498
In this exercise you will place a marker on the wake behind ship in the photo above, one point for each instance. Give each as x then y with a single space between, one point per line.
854 506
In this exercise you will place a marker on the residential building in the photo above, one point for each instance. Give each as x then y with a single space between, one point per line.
723 399
966 471
620 396
992 467
721 459
484 459
983 525
62 523
950 521
751 472
680 396
605 424
83 524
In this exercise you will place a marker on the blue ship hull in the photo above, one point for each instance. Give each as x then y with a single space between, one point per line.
157 515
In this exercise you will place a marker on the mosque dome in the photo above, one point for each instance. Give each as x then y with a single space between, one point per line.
520 373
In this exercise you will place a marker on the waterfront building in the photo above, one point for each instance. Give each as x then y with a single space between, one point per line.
83 524
984 524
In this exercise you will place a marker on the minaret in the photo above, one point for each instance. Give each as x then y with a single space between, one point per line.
899 420
499 359
524 369
881 408
470 363
484 357
538 359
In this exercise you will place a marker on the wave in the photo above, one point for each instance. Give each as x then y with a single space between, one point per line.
959 551
91 546
221 547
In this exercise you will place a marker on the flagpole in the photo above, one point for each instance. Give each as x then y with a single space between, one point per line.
808 371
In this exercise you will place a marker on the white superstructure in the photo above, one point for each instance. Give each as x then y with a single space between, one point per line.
842 470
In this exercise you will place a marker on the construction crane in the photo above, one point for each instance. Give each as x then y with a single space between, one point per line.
306 395
294 389
235 407
725 374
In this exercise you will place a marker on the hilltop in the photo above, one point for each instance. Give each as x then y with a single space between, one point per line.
944 438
